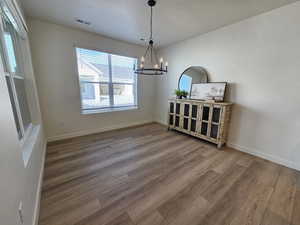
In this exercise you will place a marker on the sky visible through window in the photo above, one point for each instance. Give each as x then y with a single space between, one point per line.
10 52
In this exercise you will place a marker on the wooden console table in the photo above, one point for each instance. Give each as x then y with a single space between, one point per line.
208 121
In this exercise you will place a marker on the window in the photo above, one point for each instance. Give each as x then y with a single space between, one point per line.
11 56
107 81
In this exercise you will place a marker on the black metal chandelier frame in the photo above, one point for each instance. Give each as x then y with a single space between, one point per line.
158 69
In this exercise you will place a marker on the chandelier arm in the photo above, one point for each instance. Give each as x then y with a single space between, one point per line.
155 56
151 49
145 55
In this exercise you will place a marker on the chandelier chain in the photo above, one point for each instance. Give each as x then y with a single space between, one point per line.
151 24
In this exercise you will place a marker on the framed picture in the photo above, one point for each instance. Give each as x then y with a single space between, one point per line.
209 91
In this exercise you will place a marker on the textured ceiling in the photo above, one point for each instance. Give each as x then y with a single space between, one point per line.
128 20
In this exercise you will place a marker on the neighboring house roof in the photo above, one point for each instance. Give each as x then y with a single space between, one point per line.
123 74
87 70
98 72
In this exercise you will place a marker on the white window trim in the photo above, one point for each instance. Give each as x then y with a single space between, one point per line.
28 142
110 83
106 110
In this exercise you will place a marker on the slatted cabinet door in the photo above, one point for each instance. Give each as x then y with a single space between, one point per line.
205 120
186 115
194 121
177 115
216 114
171 116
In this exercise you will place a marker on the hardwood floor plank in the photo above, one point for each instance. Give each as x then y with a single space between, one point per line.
223 184
163 193
192 213
296 210
124 219
88 169
231 157
280 207
73 215
62 192
187 201
253 212
140 182
146 175
53 210
254 180
245 159
258 197
98 154
153 218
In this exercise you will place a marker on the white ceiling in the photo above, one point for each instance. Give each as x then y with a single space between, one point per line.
128 20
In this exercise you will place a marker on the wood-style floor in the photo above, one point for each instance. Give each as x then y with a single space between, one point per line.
148 176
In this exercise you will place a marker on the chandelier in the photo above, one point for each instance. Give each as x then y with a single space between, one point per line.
149 64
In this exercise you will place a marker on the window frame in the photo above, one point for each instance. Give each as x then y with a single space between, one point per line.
111 107
25 133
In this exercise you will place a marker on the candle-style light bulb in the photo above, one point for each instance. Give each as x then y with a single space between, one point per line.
156 66
161 63
167 64
142 59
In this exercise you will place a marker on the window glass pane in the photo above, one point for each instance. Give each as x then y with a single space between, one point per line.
92 65
4 62
123 94
13 107
11 41
122 69
22 99
94 95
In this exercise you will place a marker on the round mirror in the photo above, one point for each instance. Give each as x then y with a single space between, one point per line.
192 75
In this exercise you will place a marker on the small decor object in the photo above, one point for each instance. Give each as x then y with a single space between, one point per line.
149 64
209 91
181 94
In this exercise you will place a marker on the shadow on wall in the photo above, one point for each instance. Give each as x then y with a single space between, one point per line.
295 154
230 92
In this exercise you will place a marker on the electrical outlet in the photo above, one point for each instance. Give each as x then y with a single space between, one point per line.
20 212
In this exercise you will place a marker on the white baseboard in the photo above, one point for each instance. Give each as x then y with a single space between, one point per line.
269 157
161 122
39 188
98 130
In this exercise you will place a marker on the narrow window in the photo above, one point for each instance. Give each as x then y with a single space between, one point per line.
12 61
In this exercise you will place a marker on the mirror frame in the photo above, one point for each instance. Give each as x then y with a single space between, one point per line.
202 68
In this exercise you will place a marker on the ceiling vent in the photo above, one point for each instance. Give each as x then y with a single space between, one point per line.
83 22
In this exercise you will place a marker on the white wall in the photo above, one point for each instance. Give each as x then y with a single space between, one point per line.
260 57
54 62
19 182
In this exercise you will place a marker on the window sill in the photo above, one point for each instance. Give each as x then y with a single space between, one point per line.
106 110
29 143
